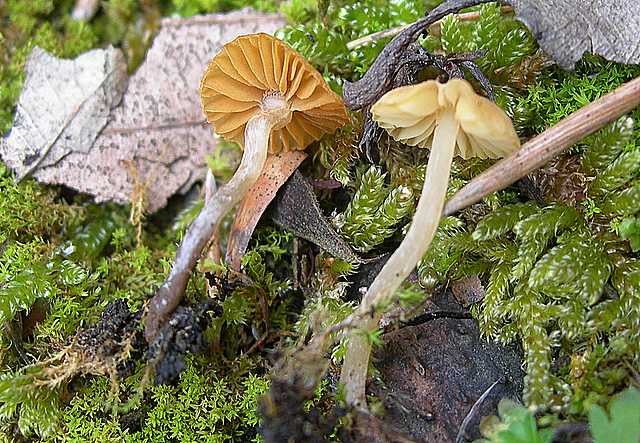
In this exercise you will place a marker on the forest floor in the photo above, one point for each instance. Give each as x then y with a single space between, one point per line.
521 323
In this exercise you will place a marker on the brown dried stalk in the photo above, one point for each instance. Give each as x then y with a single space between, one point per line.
545 146
434 28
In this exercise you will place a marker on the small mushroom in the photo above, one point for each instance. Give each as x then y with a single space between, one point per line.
450 118
265 96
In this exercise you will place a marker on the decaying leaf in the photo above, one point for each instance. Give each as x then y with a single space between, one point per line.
63 107
468 290
435 372
157 135
566 29
297 210
277 169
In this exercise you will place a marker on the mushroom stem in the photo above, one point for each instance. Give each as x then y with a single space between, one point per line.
168 296
415 244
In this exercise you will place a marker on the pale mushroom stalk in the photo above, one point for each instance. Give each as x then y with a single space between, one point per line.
274 114
403 260
461 122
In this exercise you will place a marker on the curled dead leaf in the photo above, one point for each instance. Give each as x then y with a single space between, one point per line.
277 169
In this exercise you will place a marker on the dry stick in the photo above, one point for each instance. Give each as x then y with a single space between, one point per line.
210 189
542 148
466 16
473 411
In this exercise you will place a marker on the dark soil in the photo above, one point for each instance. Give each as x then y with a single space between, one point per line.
434 373
183 333
106 339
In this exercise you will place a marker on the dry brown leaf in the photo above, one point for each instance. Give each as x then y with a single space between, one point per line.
277 169
296 209
63 106
159 130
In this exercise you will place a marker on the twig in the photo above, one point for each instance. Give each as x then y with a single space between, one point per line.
377 80
474 410
433 28
427 317
542 148
391 32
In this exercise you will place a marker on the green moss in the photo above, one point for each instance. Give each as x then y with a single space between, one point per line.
23 208
562 280
506 41
557 94
374 211
546 270
203 406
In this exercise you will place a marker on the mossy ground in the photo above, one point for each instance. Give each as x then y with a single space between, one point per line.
64 260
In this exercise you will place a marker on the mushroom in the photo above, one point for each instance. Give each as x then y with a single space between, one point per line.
265 96
450 118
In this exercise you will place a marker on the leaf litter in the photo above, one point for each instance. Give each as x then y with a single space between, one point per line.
68 131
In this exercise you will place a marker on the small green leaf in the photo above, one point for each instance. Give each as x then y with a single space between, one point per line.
515 425
622 424
630 230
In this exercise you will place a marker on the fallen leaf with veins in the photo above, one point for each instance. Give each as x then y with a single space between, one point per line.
277 169
566 29
154 141
63 107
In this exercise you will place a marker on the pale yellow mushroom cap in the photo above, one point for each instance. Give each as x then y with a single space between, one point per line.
410 115
254 67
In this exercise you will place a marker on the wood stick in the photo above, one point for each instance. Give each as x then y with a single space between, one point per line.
433 29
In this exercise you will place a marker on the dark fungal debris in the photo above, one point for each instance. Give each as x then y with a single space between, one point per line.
183 333
108 340
284 417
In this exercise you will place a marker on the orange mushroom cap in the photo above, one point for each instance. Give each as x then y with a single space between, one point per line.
252 67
